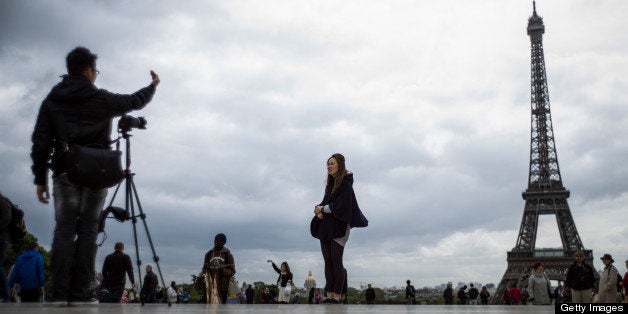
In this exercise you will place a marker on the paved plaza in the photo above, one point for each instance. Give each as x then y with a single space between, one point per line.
275 308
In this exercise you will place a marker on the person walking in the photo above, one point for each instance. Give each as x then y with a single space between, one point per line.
116 266
484 295
506 298
369 294
250 294
172 293
149 288
462 295
219 267
285 277
410 293
608 281
333 220
448 294
515 295
28 271
473 294
539 286
85 113
581 279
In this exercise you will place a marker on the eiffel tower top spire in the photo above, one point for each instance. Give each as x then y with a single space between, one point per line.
535 22
544 174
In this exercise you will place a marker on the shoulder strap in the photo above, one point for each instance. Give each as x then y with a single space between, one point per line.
609 271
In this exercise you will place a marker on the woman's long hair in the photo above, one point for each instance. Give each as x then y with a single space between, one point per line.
333 183
286 267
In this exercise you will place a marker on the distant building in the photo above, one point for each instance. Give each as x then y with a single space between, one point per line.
310 282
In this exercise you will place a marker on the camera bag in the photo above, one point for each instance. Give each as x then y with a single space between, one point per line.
90 165
93 167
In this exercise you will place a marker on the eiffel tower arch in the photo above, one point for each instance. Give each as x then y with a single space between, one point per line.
545 194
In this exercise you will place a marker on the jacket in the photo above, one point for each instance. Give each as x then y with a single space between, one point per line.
282 280
448 295
226 272
150 284
370 294
608 285
473 293
580 277
172 295
86 113
114 269
344 211
28 270
539 288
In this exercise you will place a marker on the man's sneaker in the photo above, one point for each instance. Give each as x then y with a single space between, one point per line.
54 303
90 301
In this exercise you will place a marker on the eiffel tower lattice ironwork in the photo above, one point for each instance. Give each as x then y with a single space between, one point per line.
545 194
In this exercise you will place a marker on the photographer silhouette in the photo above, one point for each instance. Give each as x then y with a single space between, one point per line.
86 114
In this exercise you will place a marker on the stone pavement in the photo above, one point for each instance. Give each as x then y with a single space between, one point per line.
22 308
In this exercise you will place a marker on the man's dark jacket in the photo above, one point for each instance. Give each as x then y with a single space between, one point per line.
86 112
250 294
116 266
150 286
580 277
473 293
370 294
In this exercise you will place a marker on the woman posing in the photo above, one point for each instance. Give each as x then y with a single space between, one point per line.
334 218
285 278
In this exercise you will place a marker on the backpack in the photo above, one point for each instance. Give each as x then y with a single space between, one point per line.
619 285
410 290
17 226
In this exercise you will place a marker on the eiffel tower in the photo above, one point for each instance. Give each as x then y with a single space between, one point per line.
545 194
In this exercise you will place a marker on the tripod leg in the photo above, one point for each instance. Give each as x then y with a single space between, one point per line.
130 204
150 239
114 194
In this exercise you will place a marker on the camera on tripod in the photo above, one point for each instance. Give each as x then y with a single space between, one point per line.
127 122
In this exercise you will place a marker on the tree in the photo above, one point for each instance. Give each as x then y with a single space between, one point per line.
198 287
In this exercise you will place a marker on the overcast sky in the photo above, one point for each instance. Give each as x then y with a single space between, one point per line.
429 101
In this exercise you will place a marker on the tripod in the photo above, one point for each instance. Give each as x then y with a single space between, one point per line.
131 199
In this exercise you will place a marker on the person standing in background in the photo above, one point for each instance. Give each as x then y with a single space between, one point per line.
608 281
581 279
116 266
